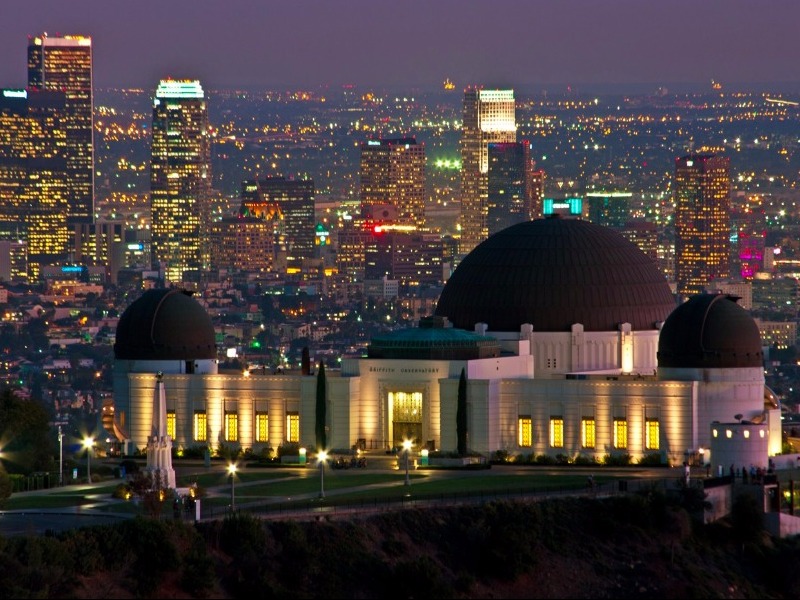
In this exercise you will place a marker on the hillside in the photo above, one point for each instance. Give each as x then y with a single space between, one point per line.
635 546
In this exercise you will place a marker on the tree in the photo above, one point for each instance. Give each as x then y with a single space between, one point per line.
25 430
5 486
321 408
305 362
461 414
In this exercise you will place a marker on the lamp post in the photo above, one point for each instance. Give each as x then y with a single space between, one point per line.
60 456
321 458
88 443
407 448
231 474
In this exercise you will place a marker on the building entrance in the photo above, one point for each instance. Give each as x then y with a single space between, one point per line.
406 417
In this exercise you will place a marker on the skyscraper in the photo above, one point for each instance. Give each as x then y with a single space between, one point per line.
702 221
294 201
393 172
609 208
34 180
180 179
748 235
488 116
510 185
64 63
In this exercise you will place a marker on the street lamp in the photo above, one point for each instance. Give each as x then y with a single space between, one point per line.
321 458
407 448
60 456
88 443
231 474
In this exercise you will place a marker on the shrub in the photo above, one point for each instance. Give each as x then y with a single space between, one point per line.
501 456
582 459
122 491
563 459
130 466
288 449
544 459
651 460
617 460
195 452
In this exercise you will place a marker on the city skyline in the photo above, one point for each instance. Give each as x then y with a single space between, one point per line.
541 45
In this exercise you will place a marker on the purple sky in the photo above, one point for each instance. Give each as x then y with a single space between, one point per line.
401 43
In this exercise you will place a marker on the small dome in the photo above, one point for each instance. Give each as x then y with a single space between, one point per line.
165 324
554 273
710 331
434 339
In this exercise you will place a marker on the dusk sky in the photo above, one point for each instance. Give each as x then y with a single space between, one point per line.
403 43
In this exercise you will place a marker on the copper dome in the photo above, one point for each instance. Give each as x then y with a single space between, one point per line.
710 331
553 273
165 324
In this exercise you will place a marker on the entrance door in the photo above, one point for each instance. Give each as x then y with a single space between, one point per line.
406 418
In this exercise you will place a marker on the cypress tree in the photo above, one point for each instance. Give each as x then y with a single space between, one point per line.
305 362
321 409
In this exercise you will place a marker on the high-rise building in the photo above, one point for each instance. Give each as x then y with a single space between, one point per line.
34 180
702 221
748 235
393 172
510 185
14 261
64 63
100 244
609 208
243 244
488 116
294 201
180 180
537 193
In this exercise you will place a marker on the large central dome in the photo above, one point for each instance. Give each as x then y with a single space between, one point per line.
553 273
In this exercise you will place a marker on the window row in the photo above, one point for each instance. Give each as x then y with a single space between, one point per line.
619 432
200 431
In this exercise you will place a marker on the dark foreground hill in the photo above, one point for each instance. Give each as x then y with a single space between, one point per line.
639 546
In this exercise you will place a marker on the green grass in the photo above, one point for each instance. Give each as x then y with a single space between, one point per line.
286 486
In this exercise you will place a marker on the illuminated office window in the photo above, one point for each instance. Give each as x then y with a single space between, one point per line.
293 427
171 424
556 432
262 427
588 432
200 426
651 434
525 436
620 433
231 426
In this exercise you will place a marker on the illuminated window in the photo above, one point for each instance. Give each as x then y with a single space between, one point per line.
525 435
620 433
651 434
262 427
171 424
556 432
293 427
746 433
231 426
200 426
588 432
